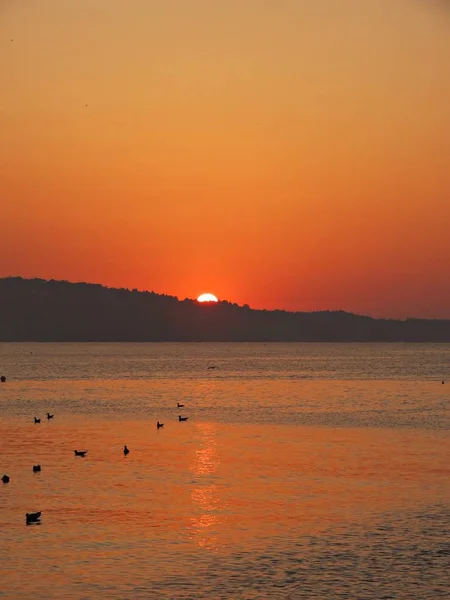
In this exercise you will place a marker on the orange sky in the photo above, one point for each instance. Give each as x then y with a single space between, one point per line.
282 153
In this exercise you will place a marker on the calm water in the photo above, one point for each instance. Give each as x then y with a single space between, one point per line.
313 471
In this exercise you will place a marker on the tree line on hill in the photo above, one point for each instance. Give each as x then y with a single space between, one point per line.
60 311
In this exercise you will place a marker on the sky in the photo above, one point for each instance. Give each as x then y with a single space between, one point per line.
290 154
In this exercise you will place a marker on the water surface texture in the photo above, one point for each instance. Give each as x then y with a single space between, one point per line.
316 471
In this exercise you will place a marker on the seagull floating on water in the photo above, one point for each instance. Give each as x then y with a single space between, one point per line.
159 425
36 468
125 450
180 405
80 452
36 420
33 517
180 418
5 478
49 416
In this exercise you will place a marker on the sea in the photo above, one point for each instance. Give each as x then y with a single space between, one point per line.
304 471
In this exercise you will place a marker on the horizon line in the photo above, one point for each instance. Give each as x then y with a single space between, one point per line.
146 291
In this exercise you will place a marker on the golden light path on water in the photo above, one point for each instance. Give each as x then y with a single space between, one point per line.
205 495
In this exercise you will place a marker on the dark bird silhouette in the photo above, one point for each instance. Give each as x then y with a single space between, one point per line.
180 418
212 367
49 416
33 517
443 382
36 468
36 420
159 425
3 379
180 405
125 450
5 479
80 452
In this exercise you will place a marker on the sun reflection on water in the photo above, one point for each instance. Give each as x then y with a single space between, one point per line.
205 497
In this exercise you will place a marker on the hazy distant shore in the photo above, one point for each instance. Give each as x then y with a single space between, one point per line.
37 310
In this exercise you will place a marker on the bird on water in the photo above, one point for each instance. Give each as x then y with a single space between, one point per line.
80 452
33 517
36 420
5 478
159 425
125 450
180 418
36 468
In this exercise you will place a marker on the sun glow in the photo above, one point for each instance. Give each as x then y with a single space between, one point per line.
207 298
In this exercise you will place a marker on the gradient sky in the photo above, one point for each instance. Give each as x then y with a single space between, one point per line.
282 153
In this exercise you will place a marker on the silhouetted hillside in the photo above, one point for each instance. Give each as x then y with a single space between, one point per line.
40 310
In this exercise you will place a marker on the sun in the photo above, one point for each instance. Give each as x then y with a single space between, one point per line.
207 298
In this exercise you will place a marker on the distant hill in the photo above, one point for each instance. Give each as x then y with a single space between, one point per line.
40 310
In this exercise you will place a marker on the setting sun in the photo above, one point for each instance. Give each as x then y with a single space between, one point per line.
207 298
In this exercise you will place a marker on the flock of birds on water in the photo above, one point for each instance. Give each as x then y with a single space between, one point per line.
31 518
35 517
